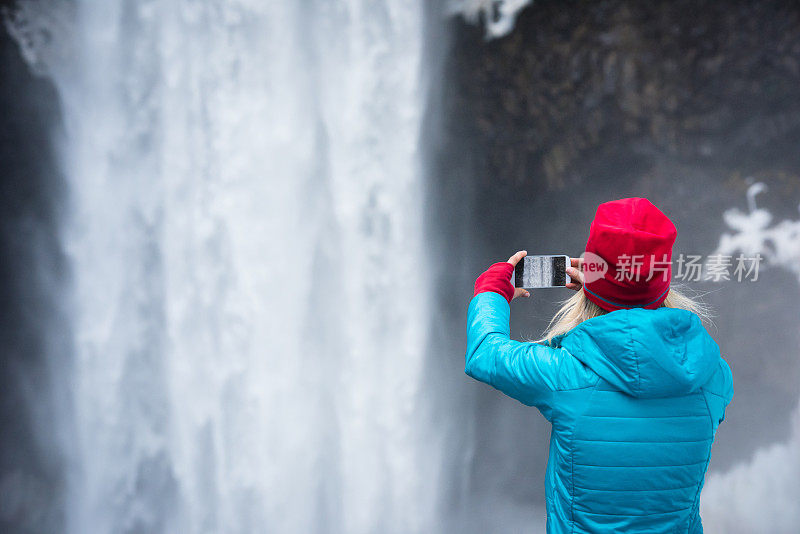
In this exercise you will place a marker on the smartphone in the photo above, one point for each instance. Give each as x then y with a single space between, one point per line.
542 271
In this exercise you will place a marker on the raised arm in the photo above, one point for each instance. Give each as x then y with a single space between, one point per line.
527 372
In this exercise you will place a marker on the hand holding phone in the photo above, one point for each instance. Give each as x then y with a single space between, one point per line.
575 272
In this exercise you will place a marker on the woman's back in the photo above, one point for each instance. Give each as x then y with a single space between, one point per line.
650 454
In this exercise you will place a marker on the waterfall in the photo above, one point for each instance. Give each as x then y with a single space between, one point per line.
247 258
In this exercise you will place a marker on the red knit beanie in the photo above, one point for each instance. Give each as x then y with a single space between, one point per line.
634 240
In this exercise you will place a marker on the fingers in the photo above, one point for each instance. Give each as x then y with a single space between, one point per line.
575 274
520 292
514 260
577 278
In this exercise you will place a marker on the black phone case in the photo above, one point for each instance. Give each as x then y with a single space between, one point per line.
519 271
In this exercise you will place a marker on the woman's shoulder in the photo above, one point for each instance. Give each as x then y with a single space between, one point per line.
721 381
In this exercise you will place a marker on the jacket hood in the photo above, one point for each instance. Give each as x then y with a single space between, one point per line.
646 353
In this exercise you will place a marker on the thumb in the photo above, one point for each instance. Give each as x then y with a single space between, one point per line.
520 292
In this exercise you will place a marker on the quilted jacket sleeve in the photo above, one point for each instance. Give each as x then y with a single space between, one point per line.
527 372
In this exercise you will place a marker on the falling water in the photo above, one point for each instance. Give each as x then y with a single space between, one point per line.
245 241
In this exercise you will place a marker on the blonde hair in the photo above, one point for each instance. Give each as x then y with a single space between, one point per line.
578 309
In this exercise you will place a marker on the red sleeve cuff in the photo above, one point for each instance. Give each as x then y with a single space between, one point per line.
496 278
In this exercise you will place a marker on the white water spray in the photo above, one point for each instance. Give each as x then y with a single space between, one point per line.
498 16
760 495
246 242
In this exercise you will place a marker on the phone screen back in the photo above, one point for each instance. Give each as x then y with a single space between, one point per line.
541 271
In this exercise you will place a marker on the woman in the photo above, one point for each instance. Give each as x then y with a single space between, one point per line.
632 383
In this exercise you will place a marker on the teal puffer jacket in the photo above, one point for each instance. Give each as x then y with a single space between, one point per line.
635 398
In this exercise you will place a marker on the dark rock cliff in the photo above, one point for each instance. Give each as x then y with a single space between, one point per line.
32 273
581 82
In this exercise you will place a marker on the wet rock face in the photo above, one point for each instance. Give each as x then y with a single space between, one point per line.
32 272
580 81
